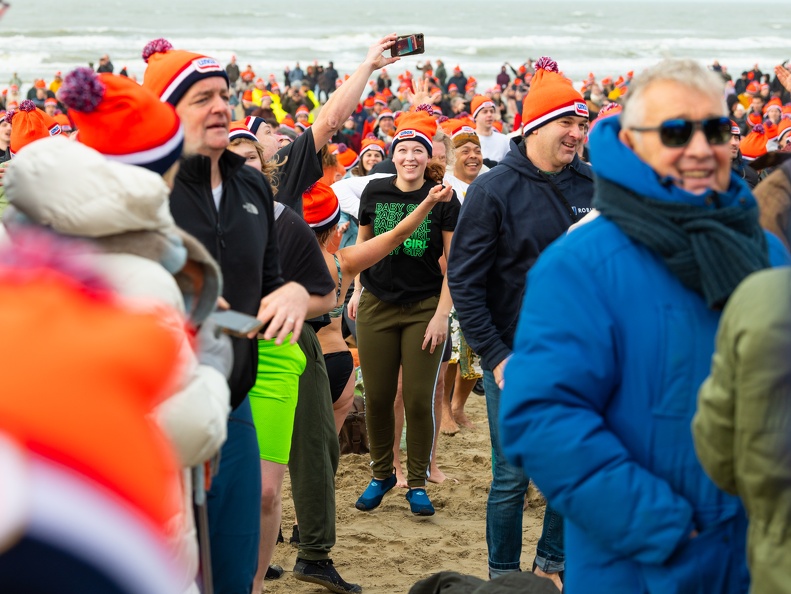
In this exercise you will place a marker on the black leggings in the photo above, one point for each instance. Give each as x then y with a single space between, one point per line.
340 366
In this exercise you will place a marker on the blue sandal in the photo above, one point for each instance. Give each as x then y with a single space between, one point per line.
374 492
419 502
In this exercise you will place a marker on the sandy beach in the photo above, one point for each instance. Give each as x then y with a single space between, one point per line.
389 549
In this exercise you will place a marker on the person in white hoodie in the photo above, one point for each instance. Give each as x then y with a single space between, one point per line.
123 209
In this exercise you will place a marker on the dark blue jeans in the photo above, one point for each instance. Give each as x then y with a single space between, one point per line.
506 503
234 505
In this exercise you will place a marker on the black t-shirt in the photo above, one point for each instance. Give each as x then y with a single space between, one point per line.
301 168
411 272
301 259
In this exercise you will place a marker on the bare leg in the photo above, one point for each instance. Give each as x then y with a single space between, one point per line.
435 474
342 406
272 475
398 410
460 395
448 426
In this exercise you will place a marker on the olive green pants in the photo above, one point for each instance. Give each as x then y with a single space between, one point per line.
390 336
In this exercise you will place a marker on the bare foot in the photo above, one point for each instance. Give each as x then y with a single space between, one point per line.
461 419
436 475
553 577
400 478
448 425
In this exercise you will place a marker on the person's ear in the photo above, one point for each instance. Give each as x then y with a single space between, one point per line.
627 137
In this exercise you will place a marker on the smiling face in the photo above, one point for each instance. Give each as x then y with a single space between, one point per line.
469 161
410 159
696 167
553 146
371 158
206 116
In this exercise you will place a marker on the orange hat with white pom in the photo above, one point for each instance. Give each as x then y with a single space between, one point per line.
551 97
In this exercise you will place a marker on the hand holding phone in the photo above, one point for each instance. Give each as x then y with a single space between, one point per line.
408 45
236 323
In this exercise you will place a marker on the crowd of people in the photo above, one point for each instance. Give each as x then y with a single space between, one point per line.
609 258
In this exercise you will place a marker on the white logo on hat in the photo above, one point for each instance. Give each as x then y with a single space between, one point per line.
581 109
206 64
405 134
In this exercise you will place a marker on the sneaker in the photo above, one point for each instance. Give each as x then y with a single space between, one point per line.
372 496
294 540
324 574
274 572
419 502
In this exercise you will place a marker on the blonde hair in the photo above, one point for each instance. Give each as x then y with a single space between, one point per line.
268 168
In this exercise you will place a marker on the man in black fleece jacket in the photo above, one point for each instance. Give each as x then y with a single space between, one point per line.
510 215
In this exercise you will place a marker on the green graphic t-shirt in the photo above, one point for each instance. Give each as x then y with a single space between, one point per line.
410 272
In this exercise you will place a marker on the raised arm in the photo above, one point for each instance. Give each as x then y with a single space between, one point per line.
344 100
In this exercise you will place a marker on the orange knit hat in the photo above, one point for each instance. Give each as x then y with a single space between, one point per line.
346 156
735 130
27 125
320 207
418 125
783 132
753 145
239 129
64 122
122 120
460 132
551 97
171 73
774 102
480 102
372 144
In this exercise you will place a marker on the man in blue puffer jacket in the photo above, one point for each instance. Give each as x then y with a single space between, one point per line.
616 335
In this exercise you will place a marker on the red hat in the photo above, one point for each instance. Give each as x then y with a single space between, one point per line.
373 144
452 87
123 120
418 125
753 88
170 73
287 121
303 110
369 102
27 125
551 97
40 84
480 102
346 156
239 129
320 207
735 130
753 145
456 68
460 132
51 101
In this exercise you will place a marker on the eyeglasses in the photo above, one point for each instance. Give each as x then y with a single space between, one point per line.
678 132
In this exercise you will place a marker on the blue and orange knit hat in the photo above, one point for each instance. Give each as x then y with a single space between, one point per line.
171 72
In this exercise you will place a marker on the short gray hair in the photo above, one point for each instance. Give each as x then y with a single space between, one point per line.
684 72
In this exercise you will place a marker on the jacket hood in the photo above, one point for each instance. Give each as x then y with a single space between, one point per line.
614 161
76 191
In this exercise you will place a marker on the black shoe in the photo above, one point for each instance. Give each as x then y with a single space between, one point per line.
324 574
294 540
478 387
274 572
279 536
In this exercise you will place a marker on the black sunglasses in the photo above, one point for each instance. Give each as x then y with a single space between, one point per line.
677 133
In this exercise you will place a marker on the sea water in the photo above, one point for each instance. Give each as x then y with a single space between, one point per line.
606 37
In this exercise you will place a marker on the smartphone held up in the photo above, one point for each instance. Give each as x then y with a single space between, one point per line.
408 45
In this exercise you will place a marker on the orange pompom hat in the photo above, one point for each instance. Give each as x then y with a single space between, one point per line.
346 156
551 97
418 125
122 120
480 102
460 132
320 207
171 72
27 125
753 145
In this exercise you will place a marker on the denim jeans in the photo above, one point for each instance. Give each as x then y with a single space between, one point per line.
506 503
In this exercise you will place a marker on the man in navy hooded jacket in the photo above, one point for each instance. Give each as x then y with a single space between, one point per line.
509 216
616 335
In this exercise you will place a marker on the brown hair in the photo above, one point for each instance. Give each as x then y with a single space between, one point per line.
434 171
